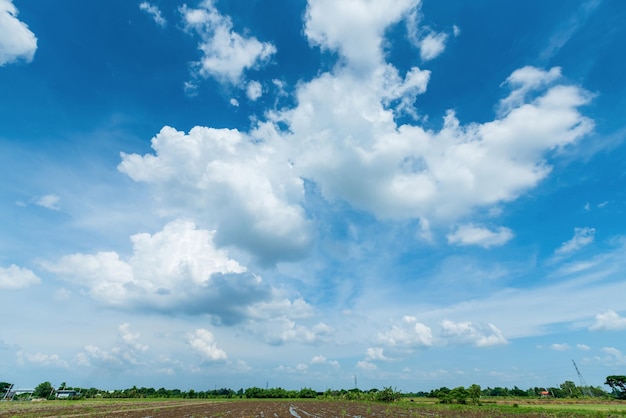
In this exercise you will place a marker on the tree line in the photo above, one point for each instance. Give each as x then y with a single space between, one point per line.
473 393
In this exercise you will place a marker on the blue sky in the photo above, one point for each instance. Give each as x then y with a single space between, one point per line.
241 193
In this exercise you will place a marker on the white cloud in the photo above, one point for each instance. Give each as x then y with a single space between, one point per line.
475 235
560 347
583 347
318 360
567 31
525 80
408 333
343 136
49 201
582 237
41 359
203 343
190 88
284 330
456 30
480 335
17 42
222 177
234 102
15 277
612 357
355 28
323 360
226 53
131 339
432 45
254 90
375 353
609 321
349 144
178 269
155 12
126 352
366 365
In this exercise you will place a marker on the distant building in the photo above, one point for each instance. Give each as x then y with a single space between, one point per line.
544 393
66 393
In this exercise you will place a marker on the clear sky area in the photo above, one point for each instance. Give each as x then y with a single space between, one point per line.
238 193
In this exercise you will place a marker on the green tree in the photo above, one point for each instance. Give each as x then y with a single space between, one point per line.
570 389
387 395
4 386
43 390
618 384
307 393
474 392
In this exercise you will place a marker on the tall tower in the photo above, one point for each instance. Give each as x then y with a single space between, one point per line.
583 385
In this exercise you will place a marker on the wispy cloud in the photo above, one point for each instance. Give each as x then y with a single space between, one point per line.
484 237
155 12
569 28
581 238
49 201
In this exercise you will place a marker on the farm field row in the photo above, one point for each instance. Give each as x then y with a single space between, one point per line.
163 408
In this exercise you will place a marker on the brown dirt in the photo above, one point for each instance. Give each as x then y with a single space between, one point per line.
236 409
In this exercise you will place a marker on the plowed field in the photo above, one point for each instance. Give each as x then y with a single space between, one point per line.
260 409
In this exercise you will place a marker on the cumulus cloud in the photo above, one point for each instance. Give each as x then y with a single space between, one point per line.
254 90
178 269
228 180
408 333
154 12
203 343
49 201
226 53
432 45
609 321
355 28
323 360
350 145
480 335
41 359
283 330
366 365
560 347
15 277
581 238
127 351
17 42
344 136
375 353
476 235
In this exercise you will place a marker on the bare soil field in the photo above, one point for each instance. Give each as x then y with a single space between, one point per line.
277 409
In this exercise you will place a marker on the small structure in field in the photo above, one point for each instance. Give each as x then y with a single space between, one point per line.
66 393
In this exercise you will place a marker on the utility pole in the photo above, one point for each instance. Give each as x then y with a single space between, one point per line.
355 385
